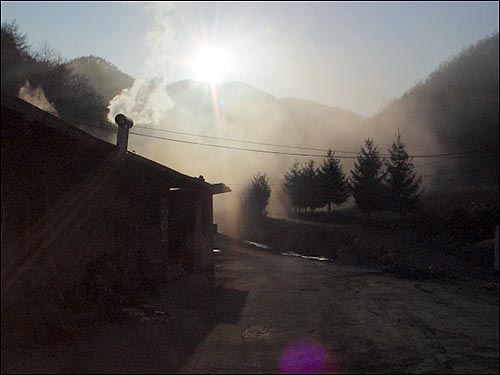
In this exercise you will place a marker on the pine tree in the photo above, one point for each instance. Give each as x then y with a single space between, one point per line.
333 183
366 180
256 197
301 185
310 186
401 180
292 186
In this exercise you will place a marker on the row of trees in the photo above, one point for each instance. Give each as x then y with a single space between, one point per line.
311 188
375 183
373 187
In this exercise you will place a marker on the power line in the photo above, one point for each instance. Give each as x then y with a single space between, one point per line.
244 141
434 162
290 146
451 170
451 155
238 148
226 139
454 155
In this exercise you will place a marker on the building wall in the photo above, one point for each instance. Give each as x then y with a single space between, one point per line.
73 213
204 232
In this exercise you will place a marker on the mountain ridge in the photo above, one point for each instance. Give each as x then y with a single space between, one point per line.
441 113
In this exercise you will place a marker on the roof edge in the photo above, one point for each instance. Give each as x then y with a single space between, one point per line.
31 112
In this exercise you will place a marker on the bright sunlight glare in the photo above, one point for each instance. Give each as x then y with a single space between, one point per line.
211 64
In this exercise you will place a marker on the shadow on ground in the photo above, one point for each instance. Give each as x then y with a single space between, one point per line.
190 309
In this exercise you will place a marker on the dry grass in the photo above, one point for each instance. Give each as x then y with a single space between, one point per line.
449 236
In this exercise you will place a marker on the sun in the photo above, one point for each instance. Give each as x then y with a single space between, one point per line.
211 64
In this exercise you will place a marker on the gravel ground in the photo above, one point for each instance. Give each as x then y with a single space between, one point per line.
270 313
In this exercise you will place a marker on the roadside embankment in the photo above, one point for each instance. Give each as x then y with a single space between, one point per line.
398 250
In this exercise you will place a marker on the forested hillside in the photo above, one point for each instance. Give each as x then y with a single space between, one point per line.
102 75
42 75
454 110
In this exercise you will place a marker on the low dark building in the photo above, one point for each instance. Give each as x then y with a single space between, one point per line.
75 210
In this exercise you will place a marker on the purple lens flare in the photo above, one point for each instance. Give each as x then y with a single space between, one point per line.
305 357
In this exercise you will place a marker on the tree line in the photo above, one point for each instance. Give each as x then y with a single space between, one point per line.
73 96
375 183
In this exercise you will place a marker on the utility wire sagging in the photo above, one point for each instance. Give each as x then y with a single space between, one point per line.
454 155
243 141
447 156
295 147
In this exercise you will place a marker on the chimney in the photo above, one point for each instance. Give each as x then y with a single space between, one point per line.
124 124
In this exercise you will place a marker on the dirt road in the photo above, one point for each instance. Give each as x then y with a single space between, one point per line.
271 313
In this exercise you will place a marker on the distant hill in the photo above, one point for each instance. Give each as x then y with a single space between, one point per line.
454 110
343 128
248 113
104 77
34 75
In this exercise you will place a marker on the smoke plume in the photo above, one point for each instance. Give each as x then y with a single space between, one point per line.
36 96
147 101
428 116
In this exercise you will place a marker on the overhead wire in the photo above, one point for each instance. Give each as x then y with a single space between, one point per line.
243 141
298 147
445 157
453 155
237 148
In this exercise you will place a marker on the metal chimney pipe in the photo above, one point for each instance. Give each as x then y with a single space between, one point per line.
124 124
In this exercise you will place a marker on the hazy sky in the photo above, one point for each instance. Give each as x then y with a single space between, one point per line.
356 56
